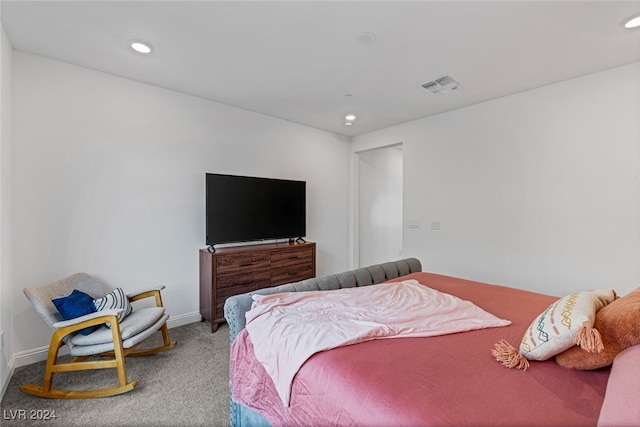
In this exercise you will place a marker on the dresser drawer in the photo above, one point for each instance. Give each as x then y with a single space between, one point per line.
292 273
261 276
291 257
241 263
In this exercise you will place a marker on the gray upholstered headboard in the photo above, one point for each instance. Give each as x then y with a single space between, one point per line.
236 306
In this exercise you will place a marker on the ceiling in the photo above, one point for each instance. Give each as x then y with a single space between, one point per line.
297 60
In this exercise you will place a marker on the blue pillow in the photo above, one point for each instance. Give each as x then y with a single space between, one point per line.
75 305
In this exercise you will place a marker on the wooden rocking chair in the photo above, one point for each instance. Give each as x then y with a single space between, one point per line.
116 342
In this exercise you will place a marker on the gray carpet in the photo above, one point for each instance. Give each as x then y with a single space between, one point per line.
185 386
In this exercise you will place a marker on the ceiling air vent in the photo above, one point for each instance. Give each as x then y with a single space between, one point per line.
443 84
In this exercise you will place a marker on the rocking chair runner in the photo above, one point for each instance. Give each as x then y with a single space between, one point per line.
116 342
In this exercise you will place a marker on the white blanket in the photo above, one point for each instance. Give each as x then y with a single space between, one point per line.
288 328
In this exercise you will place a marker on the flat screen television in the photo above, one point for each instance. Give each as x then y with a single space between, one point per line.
244 208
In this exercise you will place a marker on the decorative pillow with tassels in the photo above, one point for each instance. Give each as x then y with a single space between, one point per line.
565 323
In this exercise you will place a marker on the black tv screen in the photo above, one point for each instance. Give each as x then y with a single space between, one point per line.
243 208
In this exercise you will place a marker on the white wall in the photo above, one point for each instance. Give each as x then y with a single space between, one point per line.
538 190
109 179
6 291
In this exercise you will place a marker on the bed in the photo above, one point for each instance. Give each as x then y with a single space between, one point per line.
450 379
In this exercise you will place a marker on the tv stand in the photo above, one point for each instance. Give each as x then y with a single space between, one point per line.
235 270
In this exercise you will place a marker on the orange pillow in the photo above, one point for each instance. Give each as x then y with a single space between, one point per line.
619 327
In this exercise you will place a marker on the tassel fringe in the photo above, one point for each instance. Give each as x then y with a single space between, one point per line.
509 356
589 339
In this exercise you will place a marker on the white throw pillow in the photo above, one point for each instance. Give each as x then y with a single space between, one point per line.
116 299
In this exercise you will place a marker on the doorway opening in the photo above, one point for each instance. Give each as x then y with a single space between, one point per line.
380 184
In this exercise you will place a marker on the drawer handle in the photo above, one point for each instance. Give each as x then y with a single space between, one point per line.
248 282
293 257
246 264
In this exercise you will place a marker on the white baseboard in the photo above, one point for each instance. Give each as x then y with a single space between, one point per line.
183 319
34 355
6 377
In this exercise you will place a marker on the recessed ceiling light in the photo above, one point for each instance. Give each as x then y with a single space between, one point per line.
348 124
633 22
367 38
141 47
350 117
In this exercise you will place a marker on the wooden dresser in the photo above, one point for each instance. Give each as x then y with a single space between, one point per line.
236 270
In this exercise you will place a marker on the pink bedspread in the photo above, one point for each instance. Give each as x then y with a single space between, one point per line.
288 328
444 380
